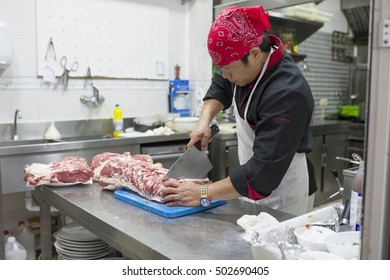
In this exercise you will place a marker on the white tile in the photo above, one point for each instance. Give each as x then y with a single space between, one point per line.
159 102
27 103
6 115
24 56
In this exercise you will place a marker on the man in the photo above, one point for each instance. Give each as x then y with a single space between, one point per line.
273 105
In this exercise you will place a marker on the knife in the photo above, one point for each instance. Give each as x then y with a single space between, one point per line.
193 163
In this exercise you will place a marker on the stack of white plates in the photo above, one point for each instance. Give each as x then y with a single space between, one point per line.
74 242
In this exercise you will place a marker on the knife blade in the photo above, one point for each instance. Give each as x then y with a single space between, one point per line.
193 163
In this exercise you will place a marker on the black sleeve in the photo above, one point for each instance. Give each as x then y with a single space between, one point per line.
312 178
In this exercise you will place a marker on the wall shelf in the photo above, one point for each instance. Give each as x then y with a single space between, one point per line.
298 57
303 28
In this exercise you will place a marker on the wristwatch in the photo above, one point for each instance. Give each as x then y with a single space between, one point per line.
204 199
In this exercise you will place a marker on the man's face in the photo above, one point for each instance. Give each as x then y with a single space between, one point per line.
243 74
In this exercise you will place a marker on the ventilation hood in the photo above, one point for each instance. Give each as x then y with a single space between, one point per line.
357 13
219 5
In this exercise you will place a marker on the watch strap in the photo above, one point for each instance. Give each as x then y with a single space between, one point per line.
204 190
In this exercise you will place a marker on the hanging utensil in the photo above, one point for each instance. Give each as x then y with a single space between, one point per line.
341 188
63 79
347 159
49 75
357 157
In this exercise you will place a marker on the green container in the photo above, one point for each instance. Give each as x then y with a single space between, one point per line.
349 111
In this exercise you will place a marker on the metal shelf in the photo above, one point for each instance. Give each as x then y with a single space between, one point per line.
303 28
298 57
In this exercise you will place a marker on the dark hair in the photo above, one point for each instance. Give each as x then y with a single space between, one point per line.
265 46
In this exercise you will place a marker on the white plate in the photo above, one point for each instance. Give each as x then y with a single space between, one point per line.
77 243
82 247
82 256
78 252
74 231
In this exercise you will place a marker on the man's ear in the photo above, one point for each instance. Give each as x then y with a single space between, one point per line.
256 53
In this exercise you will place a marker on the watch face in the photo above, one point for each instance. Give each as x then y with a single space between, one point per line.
205 202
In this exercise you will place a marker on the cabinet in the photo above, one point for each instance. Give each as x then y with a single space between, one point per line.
327 147
355 140
301 28
223 153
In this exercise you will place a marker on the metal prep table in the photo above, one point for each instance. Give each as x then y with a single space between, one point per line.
141 234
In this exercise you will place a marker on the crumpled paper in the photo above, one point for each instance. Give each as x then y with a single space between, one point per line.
163 130
253 222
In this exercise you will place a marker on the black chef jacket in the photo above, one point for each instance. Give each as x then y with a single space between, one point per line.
280 113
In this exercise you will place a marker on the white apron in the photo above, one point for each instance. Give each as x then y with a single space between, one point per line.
291 196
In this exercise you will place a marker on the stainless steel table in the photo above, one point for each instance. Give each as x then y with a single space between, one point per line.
141 234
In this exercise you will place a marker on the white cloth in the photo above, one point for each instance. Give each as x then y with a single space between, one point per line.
256 223
291 196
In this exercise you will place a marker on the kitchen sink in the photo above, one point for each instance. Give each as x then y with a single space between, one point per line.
85 138
13 143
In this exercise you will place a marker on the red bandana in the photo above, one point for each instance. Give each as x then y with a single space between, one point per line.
235 31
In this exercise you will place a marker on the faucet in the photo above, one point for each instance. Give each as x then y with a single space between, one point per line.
18 115
96 99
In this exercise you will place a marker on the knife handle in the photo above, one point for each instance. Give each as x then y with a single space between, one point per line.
345 216
214 130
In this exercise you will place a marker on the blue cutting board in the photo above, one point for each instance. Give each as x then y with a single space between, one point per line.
159 208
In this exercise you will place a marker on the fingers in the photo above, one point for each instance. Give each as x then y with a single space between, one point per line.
171 183
170 192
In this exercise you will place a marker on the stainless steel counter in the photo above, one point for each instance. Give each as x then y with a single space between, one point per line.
140 234
14 155
88 142
329 127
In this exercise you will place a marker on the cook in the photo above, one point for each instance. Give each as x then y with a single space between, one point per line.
273 105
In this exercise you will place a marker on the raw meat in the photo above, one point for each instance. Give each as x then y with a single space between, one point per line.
137 173
69 170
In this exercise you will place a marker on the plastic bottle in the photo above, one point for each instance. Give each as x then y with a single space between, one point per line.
117 121
26 237
14 250
355 218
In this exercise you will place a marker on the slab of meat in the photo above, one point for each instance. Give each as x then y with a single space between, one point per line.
137 173
69 170
123 171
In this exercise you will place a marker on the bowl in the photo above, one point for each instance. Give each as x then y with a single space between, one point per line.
345 244
312 237
182 124
266 252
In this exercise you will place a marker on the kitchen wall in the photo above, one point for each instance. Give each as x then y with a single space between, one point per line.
20 88
327 78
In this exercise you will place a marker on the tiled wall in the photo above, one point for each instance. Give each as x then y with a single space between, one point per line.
326 77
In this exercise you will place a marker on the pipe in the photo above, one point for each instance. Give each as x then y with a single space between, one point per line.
347 159
28 201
